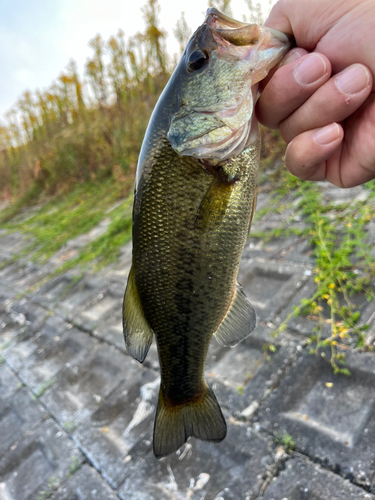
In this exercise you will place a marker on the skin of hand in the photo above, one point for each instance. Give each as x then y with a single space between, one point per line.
322 96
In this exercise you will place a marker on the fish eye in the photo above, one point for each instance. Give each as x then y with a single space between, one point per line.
197 60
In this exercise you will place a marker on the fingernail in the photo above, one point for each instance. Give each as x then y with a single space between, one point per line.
353 79
291 57
327 134
310 70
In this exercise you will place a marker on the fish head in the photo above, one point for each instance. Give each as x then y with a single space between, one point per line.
218 75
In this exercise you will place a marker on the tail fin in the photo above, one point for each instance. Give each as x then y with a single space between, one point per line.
174 424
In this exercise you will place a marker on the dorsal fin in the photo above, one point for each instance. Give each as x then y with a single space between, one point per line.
137 331
239 321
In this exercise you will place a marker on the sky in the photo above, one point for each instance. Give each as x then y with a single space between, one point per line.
39 37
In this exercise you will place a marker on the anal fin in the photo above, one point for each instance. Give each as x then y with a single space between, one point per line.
137 331
239 321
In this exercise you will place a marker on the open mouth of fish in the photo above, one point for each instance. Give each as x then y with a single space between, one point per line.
242 34
257 49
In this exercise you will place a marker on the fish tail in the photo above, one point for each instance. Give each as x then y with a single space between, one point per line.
200 417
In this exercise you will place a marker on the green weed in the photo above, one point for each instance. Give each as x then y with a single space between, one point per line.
44 387
52 485
285 440
70 426
343 265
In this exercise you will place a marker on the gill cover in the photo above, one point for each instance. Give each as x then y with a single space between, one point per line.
222 62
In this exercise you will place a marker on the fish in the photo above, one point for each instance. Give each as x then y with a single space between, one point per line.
194 198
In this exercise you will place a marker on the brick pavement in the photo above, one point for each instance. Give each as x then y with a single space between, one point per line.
76 412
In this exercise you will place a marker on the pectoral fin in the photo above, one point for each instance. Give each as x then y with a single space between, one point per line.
137 332
239 321
214 204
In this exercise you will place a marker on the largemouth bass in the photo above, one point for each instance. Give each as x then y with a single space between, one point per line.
194 198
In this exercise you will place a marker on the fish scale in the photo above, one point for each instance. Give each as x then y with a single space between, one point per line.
194 199
191 271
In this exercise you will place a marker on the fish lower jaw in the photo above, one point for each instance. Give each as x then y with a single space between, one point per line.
232 144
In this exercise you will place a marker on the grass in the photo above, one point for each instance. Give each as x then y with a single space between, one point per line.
343 264
67 217
285 440
71 427
44 387
52 485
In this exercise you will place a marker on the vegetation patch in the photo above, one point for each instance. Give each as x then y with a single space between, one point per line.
61 220
285 440
344 268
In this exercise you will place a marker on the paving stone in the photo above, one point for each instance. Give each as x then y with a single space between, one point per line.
86 484
6 294
19 319
81 292
252 371
284 210
56 289
109 437
303 480
28 342
19 414
337 196
4 257
100 308
7 272
269 285
119 270
82 387
112 330
300 252
30 275
38 464
233 469
278 247
23 275
13 243
40 368
330 417
9 382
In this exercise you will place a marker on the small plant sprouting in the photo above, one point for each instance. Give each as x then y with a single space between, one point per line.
74 465
70 426
44 387
285 440
52 485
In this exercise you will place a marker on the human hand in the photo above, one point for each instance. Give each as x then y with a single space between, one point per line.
324 102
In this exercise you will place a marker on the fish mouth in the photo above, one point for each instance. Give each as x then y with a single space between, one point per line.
217 19
224 128
239 33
